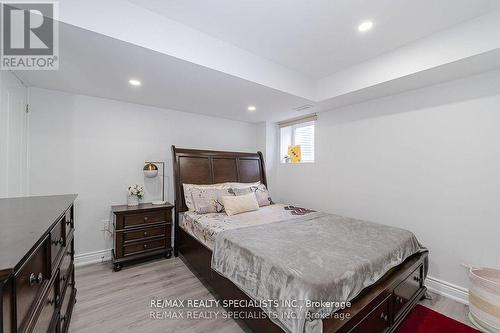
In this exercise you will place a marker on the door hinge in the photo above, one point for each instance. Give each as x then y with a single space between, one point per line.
27 108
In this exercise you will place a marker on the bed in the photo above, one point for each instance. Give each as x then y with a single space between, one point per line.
379 307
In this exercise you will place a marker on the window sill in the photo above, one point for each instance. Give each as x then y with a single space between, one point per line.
284 163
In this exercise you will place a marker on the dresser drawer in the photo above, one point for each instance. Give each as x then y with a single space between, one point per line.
377 321
66 283
143 218
145 246
5 298
69 223
144 233
67 306
57 240
65 270
406 290
49 304
30 280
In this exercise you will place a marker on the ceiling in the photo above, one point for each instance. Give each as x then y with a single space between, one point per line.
185 69
97 65
319 37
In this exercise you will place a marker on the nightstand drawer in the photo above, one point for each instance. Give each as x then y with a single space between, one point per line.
145 233
140 247
134 220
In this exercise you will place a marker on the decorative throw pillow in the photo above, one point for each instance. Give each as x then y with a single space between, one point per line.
210 203
261 193
240 203
189 188
208 200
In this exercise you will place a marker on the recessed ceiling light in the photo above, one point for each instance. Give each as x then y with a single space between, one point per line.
365 26
134 82
251 108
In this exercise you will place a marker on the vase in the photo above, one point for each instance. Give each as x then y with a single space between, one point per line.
133 200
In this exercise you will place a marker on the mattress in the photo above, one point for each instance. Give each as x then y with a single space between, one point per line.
205 227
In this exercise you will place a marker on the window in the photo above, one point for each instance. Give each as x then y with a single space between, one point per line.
297 140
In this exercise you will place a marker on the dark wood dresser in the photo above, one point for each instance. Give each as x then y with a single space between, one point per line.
37 280
141 232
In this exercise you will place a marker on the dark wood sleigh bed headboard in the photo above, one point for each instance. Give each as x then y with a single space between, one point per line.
192 166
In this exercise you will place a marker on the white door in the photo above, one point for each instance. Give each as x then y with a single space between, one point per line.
13 137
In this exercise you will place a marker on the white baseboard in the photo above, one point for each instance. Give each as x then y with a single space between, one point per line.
92 257
446 289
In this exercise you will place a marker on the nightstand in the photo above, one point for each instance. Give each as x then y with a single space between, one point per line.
141 232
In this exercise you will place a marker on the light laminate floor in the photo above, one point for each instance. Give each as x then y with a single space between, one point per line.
121 302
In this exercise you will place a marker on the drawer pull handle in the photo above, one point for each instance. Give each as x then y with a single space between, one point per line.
63 318
416 278
145 233
146 218
58 242
145 246
383 316
56 301
35 279
32 279
64 278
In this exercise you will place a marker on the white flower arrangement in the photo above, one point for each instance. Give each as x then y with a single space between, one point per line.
137 190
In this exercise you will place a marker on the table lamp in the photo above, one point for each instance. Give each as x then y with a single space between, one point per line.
151 171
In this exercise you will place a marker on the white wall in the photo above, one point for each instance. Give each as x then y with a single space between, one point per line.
267 144
97 147
426 160
13 136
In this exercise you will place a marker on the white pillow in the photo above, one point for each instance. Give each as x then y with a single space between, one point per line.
240 203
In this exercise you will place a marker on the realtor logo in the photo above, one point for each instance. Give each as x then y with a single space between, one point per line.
29 35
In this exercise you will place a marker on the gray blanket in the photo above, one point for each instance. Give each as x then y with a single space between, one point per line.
318 257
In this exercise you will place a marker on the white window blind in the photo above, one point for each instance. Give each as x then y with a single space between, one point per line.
304 136
298 132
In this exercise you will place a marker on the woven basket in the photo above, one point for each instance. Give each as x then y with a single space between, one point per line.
484 298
